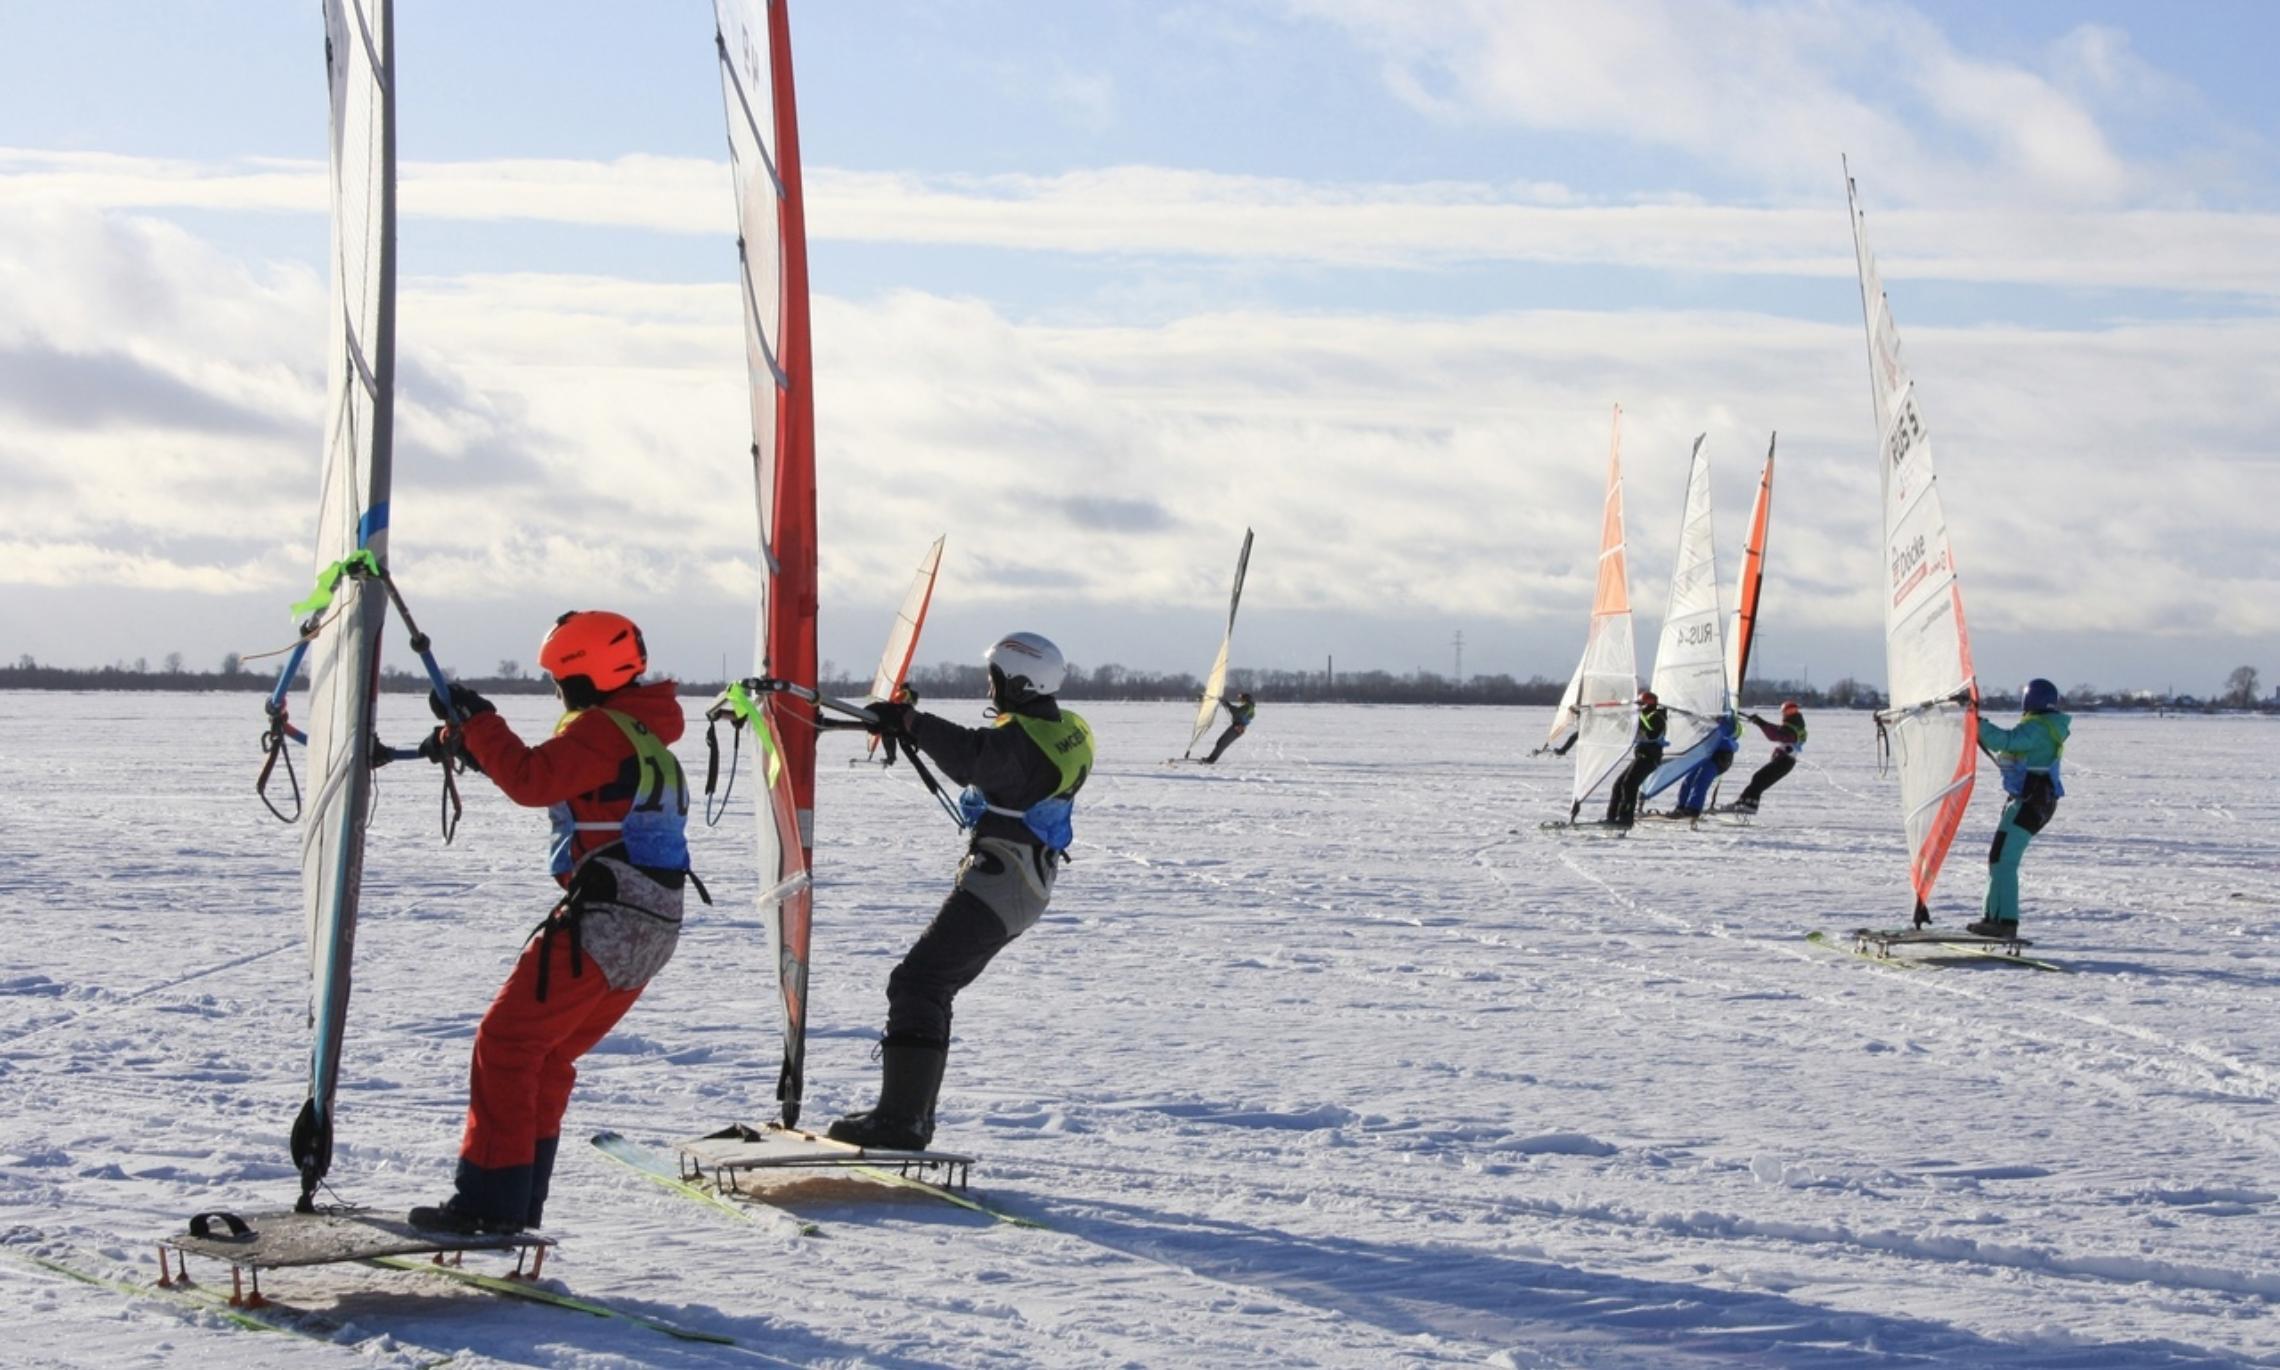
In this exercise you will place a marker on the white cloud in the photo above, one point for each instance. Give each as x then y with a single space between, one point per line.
1165 212
573 437
1774 92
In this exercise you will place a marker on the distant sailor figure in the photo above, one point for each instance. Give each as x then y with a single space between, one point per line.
2028 756
1242 711
618 804
1788 739
1694 788
1022 774
1648 741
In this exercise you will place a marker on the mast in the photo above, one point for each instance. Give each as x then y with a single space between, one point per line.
1931 727
753 39
344 653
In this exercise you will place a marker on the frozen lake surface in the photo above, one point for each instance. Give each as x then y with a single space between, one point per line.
1327 1057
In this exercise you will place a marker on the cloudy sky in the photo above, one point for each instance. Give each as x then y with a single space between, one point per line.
1099 284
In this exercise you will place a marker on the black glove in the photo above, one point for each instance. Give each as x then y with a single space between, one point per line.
440 752
465 700
889 719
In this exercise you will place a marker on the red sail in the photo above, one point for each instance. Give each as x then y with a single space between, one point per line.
1753 580
754 40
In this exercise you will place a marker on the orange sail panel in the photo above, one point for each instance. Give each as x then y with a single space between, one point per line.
1932 723
1752 581
754 40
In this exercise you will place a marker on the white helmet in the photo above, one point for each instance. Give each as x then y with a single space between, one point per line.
1024 665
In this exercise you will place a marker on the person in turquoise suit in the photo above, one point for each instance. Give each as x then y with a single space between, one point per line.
2028 755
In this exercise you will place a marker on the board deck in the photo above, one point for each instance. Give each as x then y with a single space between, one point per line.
1896 937
776 1147
281 1239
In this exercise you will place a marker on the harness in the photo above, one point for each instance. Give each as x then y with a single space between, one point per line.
1067 743
2016 771
652 836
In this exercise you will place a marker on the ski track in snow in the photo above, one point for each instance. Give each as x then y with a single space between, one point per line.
1312 1063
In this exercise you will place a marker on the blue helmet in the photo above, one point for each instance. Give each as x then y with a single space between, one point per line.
2040 698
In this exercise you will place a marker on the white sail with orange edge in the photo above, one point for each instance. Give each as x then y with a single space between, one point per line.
1932 724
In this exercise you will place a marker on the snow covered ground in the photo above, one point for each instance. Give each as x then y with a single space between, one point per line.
1327 1057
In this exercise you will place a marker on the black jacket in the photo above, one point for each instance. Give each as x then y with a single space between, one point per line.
1000 760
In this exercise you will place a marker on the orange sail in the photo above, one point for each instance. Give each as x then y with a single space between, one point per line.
1746 590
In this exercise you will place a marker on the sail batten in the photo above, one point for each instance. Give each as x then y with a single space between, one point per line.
753 38
1931 725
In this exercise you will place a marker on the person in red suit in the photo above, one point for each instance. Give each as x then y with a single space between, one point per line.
619 804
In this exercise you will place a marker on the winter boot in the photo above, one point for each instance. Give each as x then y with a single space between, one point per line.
903 1120
449 1217
1993 927
541 1179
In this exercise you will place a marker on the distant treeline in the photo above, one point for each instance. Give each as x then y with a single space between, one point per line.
959 681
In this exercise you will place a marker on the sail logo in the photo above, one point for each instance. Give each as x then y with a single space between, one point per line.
1909 568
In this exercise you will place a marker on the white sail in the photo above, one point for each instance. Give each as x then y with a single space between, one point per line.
1565 716
344 658
902 639
1690 660
1607 701
1932 724
1215 684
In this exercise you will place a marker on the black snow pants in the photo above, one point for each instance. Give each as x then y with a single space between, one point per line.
1767 777
1623 804
1226 740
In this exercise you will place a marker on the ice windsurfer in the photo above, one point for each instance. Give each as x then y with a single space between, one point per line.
619 805
2028 756
1022 773
1647 743
1241 712
1788 739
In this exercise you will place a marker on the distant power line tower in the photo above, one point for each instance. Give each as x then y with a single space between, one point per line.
1459 644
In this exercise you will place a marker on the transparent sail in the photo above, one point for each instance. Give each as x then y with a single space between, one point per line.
1607 700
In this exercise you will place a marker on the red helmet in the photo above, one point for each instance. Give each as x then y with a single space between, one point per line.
1789 706
1647 697
605 648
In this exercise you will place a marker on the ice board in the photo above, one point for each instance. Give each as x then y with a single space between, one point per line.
271 1241
776 1147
